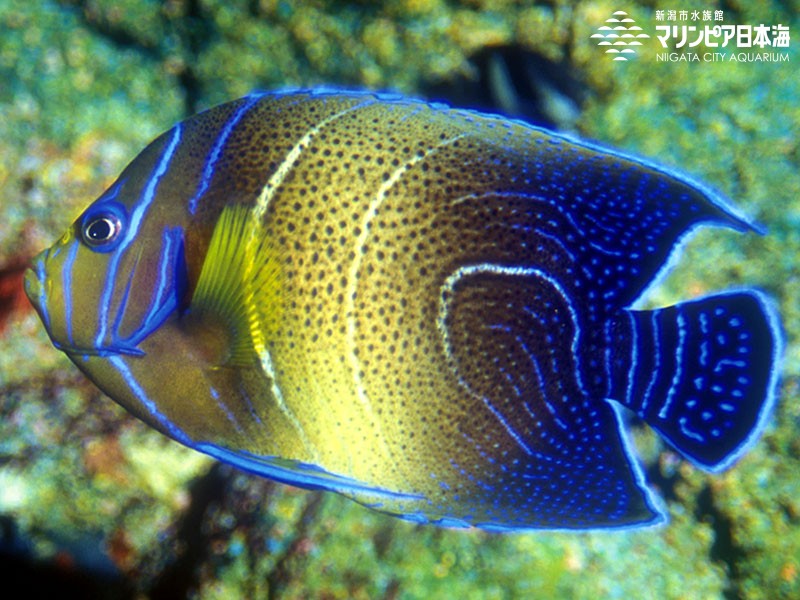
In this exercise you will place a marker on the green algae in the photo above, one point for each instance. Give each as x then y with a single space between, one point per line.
86 85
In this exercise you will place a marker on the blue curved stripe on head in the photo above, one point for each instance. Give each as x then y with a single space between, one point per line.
173 430
216 151
137 214
135 221
41 275
171 280
66 282
123 304
172 241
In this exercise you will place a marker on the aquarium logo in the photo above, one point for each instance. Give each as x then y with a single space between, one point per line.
620 35
701 36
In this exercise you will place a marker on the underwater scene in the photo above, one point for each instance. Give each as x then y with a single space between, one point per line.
481 299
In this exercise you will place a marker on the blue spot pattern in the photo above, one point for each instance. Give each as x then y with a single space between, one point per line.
564 459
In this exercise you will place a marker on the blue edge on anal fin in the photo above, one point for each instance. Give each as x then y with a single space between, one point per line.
292 472
713 383
312 477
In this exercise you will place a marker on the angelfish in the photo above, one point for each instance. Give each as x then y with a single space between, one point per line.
425 309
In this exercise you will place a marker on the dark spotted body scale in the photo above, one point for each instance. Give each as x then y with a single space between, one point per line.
425 309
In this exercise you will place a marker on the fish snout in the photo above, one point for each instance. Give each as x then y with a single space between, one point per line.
33 286
35 281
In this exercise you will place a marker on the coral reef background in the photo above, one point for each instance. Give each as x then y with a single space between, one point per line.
95 504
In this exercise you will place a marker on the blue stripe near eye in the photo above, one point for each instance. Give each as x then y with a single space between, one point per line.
174 432
113 191
105 298
66 280
123 303
41 275
133 229
152 185
171 239
216 151
168 291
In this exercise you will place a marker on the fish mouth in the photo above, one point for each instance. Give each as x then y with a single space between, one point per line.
33 286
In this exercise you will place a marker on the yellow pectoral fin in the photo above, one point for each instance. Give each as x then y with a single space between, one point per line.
238 284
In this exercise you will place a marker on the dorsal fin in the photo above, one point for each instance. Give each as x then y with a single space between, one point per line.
238 282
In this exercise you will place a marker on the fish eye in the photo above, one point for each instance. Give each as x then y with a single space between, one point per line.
100 230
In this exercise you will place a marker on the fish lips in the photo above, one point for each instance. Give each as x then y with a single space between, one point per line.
34 287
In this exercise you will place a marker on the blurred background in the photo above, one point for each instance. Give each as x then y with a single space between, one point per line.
94 504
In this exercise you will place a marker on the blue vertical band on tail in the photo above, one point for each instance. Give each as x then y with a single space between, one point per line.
703 373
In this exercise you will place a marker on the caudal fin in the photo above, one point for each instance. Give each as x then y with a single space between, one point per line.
702 373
